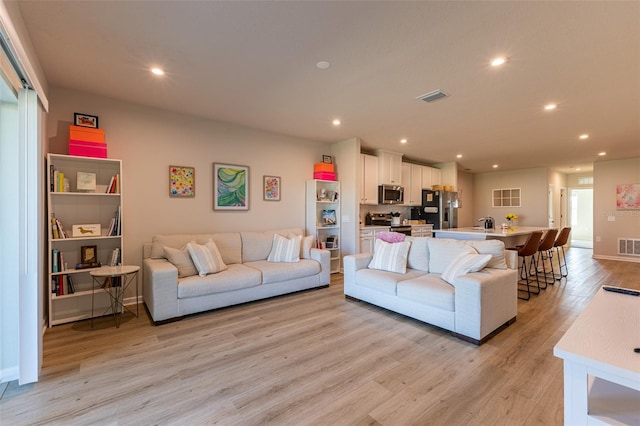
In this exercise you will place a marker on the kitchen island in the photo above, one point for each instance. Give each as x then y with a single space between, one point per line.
512 236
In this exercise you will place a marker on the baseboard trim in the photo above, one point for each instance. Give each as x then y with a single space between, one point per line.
9 374
133 300
618 258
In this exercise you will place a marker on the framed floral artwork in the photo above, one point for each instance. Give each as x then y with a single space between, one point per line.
182 181
628 196
230 187
271 188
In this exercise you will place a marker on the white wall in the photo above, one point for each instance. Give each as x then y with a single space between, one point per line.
149 140
466 214
533 184
610 223
348 165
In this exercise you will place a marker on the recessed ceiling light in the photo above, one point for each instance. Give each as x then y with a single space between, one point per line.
500 60
459 156
550 106
584 136
323 65
403 141
602 154
157 71
336 122
495 166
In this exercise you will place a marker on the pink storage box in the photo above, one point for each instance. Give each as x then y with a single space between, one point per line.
87 149
324 175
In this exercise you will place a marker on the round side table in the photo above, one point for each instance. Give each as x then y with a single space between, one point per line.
114 280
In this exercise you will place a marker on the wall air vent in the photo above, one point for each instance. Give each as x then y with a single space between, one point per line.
629 246
433 96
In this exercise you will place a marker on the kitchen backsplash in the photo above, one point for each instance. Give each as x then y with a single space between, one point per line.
405 212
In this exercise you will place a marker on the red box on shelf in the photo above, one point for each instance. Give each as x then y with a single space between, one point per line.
87 149
324 175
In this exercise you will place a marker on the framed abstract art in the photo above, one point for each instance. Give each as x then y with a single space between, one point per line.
182 181
230 187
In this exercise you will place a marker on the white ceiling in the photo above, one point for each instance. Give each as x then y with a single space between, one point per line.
254 63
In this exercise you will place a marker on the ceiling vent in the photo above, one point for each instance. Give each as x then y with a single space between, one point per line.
433 96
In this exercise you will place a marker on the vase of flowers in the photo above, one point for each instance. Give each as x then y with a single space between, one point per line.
511 217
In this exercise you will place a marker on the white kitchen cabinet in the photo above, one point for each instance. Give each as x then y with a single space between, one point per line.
412 180
436 176
421 230
389 167
368 237
369 179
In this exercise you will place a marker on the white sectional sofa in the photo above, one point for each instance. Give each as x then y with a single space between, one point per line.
472 305
247 275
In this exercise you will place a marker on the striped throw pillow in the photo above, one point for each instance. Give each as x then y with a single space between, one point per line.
284 249
206 257
390 257
463 264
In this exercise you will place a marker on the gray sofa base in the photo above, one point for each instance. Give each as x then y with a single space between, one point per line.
452 333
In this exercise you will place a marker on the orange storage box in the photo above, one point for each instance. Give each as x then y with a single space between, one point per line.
324 167
87 134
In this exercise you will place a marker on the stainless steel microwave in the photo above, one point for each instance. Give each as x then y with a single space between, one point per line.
390 194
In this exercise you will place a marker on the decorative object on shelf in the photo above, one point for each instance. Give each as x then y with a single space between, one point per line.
332 242
628 196
230 187
87 142
271 188
86 230
85 181
182 181
329 218
511 217
85 120
88 254
324 171
327 159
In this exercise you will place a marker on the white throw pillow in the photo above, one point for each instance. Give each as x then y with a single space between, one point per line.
463 264
442 251
418 257
284 249
306 245
390 257
493 247
206 257
181 259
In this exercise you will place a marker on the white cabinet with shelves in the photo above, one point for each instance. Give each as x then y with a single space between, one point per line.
421 230
368 237
389 167
70 206
323 217
369 179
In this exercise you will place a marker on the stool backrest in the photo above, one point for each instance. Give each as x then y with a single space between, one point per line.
563 237
548 240
531 246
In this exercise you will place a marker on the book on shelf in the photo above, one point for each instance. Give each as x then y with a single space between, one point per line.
55 234
114 185
70 286
55 258
115 257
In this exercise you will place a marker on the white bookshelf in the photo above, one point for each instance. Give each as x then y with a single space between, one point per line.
323 201
76 207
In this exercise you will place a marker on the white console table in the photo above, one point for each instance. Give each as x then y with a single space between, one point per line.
601 369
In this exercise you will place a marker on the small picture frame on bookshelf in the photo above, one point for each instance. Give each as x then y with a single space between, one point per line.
86 230
327 159
85 120
86 181
329 218
88 254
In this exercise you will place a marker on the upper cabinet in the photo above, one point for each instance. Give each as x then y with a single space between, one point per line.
389 167
436 176
369 179
412 181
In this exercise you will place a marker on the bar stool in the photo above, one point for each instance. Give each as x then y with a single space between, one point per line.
529 249
544 252
561 241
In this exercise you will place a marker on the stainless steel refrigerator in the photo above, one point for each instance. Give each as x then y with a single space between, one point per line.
440 208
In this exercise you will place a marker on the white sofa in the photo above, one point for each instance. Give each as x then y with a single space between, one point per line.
248 275
473 306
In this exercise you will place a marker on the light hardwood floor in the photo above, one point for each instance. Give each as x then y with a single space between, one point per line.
311 358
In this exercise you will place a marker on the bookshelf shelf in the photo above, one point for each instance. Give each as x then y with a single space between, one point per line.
68 207
323 216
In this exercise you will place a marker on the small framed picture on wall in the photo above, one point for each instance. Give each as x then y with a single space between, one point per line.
271 188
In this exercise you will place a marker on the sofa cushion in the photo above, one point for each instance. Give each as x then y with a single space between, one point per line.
382 280
206 257
306 245
442 251
418 257
463 264
257 245
181 259
235 277
284 249
430 290
390 257
229 244
280 272
493 247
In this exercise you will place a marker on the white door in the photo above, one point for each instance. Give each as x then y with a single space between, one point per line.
581 217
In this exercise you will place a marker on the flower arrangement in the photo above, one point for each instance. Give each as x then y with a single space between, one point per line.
511 217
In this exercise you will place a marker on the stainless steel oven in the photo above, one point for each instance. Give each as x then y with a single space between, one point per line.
402 229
